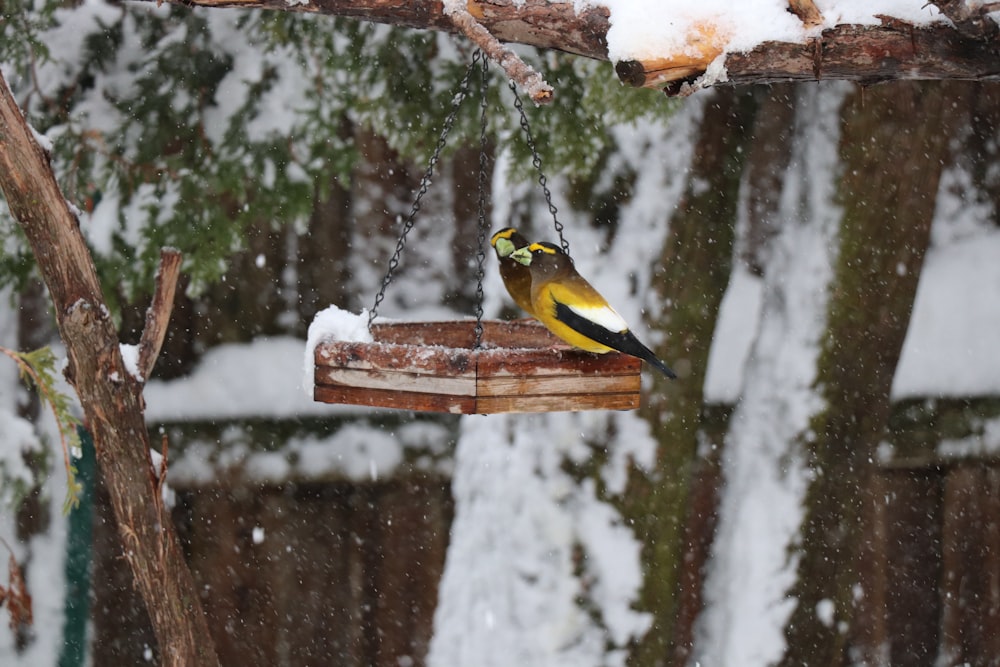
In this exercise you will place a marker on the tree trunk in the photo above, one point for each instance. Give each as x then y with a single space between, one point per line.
110 396
693 275
884 233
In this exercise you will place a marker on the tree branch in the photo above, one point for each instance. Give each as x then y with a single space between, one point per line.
519 71
111 401
870 54
539 23
158 313
972 20
895 50
867 54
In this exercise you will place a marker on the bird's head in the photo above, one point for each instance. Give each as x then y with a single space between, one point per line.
540 254
506 241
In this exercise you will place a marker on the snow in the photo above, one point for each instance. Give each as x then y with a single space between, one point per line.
541 568
945 352
765 477
509 593
642 30
984 443
130 355
237 381
825 610
330 324
357 450
741 305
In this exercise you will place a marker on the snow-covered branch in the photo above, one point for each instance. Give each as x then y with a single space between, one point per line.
661 46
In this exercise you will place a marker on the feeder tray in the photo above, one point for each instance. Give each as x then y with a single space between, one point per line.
432 367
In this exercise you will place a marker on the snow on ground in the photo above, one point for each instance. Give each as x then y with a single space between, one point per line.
261 379
358 450
947 351
510 594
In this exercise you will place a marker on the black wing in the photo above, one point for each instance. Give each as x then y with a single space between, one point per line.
623 341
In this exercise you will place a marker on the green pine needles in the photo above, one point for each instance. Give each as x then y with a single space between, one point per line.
183 128
39 367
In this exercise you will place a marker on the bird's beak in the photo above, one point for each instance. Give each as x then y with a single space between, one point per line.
522 256
504 247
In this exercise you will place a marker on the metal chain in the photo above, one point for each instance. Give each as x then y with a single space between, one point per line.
537 161
481 206
425 182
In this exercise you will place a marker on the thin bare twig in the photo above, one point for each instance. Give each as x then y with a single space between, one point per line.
519 71
158 313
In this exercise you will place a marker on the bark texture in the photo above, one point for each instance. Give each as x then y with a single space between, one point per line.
884 233
894 50
111 398
701 235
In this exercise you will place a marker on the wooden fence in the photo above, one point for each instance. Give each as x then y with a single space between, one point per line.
319 574
346 574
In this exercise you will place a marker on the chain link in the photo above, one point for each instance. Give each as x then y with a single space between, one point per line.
481 206
478 60
425 182
537 161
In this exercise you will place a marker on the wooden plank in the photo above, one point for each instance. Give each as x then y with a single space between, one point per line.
375 379
898 617
457 335
913 504
970 622
488 404
517 334
461 334
557 385
396 400
431 360
566 403
408 532
560 361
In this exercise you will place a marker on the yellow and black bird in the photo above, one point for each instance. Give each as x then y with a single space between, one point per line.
573 310
516 276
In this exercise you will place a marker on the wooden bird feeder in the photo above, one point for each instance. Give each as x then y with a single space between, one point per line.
432 367
437 366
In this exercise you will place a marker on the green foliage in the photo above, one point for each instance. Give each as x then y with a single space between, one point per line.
181 127
22 27
39 368
573 133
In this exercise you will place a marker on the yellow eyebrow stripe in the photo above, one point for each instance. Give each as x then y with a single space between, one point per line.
538 246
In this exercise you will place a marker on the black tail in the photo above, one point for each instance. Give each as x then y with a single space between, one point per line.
623 341
633 346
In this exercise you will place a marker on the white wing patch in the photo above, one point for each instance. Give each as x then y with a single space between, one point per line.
605 316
